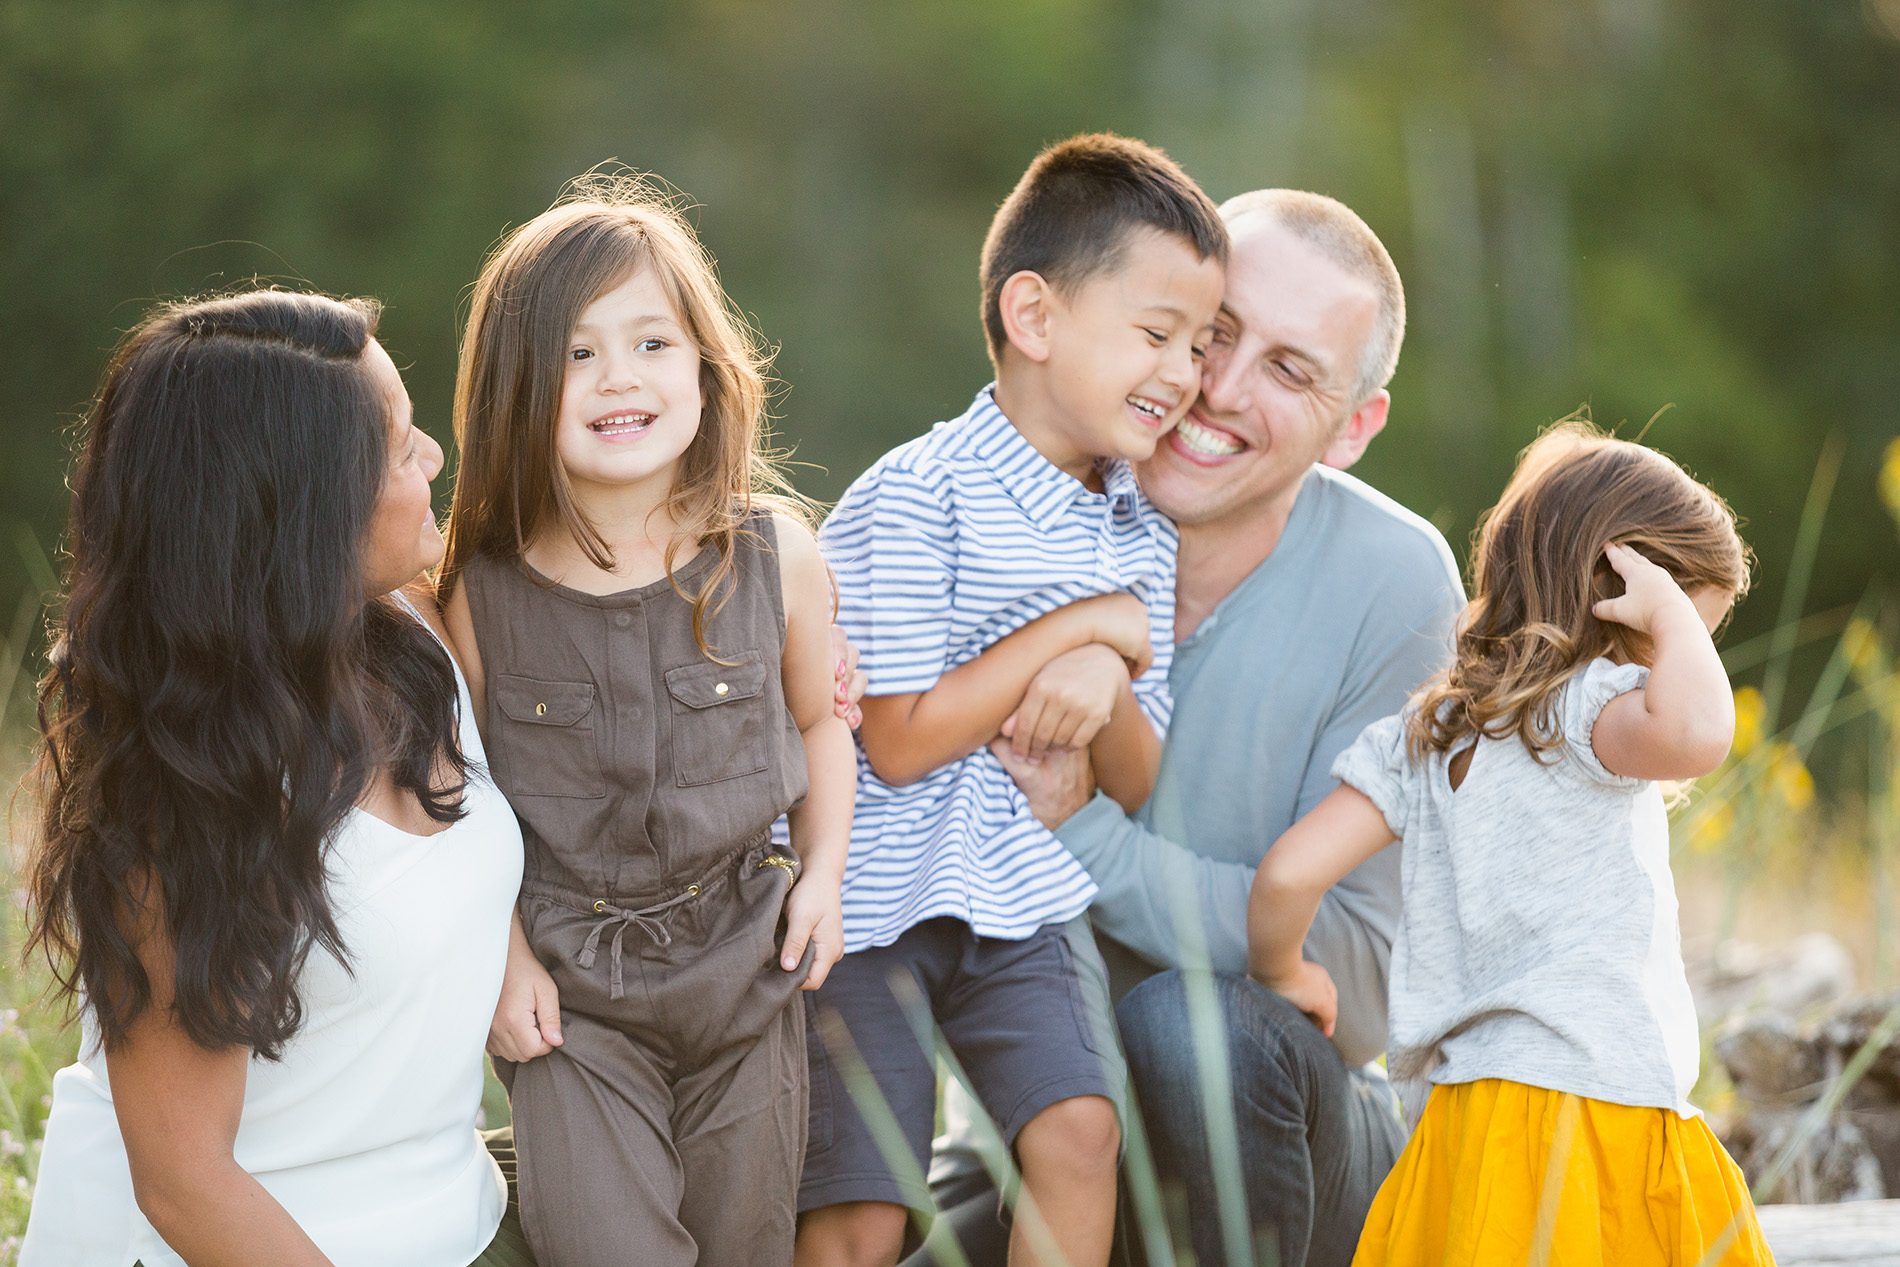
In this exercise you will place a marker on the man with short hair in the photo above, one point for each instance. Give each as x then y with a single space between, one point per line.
1307 606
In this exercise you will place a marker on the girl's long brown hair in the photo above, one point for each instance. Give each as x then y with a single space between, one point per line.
1538 568
532 290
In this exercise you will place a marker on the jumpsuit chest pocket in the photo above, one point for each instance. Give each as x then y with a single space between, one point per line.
722 720
546 738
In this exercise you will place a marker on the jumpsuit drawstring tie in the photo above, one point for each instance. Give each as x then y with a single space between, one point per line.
622 919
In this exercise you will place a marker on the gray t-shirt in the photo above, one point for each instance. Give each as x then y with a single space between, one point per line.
1348 616
1539 939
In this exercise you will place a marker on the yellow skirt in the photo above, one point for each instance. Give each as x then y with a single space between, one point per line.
1500 1174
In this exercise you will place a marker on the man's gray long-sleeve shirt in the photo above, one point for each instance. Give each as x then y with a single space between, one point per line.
1351 612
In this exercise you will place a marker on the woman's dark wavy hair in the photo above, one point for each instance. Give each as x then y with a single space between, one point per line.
220 691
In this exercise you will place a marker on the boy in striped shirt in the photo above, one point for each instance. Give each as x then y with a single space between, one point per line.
1003 575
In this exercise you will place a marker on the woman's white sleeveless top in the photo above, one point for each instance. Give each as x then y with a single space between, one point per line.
365 1131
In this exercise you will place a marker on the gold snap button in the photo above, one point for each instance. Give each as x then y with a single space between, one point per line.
721 689
540 710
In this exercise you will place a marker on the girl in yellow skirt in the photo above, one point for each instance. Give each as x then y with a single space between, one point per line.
1537 977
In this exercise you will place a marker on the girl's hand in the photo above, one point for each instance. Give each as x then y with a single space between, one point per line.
850 679
1311 990
814 913
1648 590
1068 702
1121 621
528 1015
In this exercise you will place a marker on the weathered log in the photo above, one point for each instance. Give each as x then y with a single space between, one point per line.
1865 1233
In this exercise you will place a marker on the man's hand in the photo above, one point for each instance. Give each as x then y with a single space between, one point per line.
1311 990
1067 703
814 913
527 1019
1057 785
850 678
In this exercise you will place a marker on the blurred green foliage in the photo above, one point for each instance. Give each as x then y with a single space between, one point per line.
1626 203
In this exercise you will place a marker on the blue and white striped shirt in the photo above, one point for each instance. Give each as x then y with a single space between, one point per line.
947 544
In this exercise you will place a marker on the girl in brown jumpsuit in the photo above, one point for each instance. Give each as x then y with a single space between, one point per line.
647 626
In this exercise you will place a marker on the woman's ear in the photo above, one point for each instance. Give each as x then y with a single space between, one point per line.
1026 302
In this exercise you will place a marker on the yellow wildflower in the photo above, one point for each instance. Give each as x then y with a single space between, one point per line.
1890 478
1713 829
1790 778
1750 716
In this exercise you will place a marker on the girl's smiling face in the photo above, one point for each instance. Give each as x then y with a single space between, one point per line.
630 398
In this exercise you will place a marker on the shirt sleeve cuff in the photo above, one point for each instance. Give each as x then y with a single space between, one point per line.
1088 831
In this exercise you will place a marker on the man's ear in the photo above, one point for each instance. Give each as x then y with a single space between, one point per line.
1026 302
1357 431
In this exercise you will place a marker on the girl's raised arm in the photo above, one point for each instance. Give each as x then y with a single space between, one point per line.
1309 858
1680 723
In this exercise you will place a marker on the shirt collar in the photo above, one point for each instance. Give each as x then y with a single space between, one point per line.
1043 489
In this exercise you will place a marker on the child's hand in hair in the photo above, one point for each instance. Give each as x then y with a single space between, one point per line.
1648 592
1680 722
1311 990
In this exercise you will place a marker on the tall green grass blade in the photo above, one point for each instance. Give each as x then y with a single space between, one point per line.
991 1148
1794 593
1756 650
15 652
880 1121
1216 1079
39 567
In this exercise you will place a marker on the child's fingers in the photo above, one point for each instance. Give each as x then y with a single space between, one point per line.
547 1012
823 955
1048 725
1615 610
798 931
1029 717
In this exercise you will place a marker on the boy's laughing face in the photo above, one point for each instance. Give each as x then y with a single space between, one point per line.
1125 347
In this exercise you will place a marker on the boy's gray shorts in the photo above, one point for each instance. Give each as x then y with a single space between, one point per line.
1029 1021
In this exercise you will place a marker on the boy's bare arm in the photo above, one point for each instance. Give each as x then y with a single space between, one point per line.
1126 754
907 736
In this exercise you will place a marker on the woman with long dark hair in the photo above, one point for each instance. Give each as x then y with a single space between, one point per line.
270 870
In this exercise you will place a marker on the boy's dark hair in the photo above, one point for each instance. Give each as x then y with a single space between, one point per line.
1071 214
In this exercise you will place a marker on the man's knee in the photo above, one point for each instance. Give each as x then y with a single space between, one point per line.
1255 1029
851 1234
1079 1137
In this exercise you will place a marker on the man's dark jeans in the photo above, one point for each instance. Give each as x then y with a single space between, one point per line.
1316 1138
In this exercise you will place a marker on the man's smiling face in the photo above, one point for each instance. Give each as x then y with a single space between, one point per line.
1279 383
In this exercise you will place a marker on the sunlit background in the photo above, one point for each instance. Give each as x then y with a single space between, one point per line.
1685 211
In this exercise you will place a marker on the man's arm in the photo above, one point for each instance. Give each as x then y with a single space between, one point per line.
1141 875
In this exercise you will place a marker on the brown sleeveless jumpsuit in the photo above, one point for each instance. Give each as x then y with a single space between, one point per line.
670 1126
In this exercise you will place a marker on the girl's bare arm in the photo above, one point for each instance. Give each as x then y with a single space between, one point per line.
1309 858
821 827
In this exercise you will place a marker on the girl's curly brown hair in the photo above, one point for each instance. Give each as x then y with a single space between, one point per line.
1538 569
